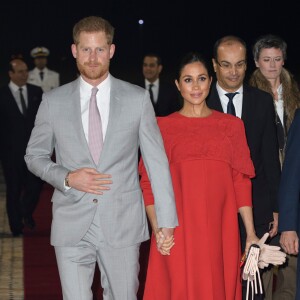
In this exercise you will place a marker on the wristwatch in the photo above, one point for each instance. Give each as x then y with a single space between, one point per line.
67 180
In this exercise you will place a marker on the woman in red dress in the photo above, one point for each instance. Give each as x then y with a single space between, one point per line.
211 169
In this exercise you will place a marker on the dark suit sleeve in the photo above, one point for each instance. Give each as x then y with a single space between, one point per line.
289 189
270 153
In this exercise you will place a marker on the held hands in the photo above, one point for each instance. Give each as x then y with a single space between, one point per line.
164 240
89 180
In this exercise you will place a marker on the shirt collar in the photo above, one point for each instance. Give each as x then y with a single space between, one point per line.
86 88
155 83
279 89
222 92
15 87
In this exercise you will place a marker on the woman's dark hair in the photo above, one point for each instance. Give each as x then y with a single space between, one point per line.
192 57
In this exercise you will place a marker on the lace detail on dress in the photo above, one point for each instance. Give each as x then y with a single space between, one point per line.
217 137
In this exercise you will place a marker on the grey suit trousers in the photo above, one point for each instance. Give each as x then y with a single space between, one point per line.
119 268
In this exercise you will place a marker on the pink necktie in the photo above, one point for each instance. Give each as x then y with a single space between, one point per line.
95 128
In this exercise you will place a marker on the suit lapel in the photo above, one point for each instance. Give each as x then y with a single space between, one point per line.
75 108
114 115
247 105
214 99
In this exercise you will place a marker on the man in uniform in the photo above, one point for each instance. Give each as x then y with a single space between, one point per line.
41 75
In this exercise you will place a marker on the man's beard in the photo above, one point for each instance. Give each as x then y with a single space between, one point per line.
96 73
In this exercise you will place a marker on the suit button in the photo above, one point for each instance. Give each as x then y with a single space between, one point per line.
95 201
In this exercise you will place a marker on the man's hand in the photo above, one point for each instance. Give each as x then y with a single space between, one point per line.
274 225
289 242
167 232
163 244
164 235
89 180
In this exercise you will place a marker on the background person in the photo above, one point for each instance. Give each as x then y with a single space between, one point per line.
289 191
269 52
256 109
42 76
163 94
19 102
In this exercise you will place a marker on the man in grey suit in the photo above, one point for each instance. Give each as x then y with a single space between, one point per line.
98 210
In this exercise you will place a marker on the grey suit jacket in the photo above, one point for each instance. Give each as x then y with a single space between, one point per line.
131 125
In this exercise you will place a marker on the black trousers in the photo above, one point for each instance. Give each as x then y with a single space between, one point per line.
22 192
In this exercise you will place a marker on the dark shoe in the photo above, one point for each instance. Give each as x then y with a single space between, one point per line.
29 222
18 233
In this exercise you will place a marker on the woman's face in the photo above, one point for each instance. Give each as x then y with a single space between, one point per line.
194 83
270 62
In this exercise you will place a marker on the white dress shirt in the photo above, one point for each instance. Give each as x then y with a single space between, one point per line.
155 88
16 93
279 104
237 100
103 101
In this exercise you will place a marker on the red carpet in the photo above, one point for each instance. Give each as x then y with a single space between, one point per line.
41 279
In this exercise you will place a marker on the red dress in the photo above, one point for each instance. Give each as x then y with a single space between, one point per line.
211 169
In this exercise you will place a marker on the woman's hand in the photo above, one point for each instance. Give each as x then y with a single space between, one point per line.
164 244
251 239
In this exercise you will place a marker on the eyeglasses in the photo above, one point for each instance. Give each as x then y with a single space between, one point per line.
228 66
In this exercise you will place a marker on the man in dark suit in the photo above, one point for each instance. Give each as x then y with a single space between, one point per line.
255 107
289 195
19 103
164 96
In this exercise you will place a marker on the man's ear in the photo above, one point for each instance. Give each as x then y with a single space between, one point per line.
160 67
74 50
214 64
112 49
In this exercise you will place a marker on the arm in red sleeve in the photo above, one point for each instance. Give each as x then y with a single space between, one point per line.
145 185
243 189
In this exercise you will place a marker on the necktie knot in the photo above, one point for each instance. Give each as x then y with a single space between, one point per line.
230 105
231 95
94 91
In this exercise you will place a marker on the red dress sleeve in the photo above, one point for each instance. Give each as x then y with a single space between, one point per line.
242 165
243 189
241 159
145 185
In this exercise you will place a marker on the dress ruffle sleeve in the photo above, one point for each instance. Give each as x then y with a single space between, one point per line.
241 162
241 159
